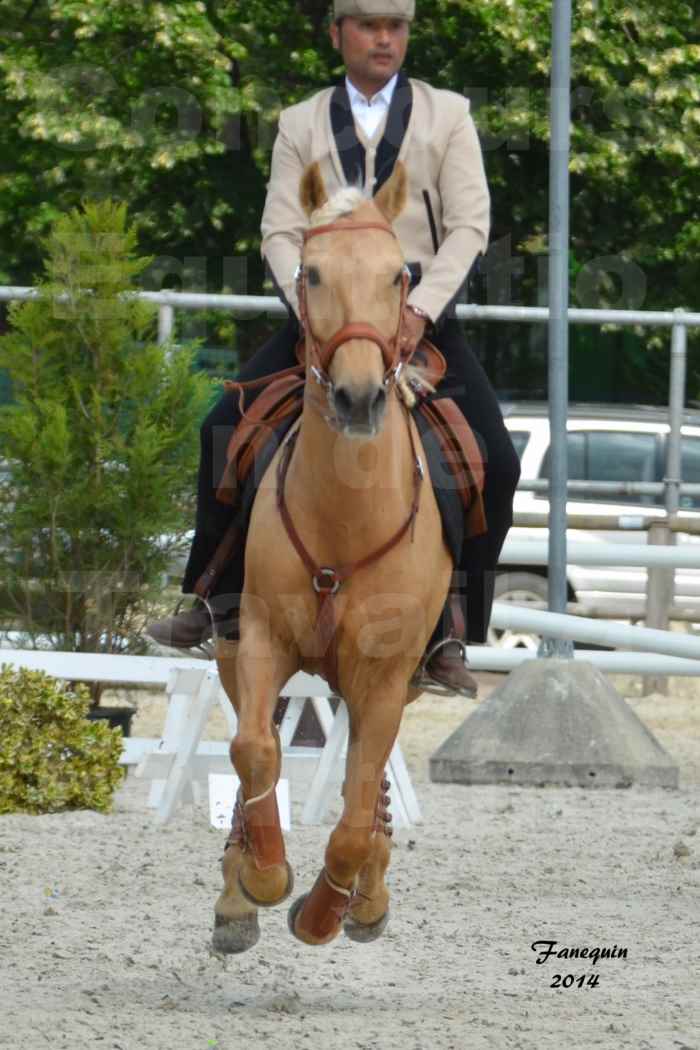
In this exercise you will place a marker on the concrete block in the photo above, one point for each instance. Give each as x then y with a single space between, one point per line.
556 722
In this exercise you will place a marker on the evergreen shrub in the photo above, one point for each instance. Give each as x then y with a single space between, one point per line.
99 447
51 757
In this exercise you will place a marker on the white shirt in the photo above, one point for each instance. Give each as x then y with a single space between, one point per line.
369 115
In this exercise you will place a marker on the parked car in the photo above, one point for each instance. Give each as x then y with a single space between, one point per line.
605 443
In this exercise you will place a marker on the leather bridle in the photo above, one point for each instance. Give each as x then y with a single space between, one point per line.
320 355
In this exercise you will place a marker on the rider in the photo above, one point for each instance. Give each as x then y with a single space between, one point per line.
356 131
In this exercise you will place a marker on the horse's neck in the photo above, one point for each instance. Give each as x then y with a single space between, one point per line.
364 484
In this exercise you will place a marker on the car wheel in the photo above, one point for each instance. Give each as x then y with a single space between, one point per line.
520 588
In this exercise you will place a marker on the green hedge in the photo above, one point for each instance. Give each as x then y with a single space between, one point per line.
51 757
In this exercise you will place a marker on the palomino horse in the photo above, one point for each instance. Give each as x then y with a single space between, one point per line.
344 491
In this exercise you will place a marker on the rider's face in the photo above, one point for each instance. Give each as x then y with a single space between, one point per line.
373 49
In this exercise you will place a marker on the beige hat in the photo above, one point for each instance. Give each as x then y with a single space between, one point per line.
404 9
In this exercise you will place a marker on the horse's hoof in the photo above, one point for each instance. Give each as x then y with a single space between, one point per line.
293 912
276 894
365 932
233 936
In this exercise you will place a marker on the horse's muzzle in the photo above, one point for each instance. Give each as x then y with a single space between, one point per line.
359 412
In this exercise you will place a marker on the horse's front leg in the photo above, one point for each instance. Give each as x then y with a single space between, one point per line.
254 864
235 919
262 668
369 910
358 850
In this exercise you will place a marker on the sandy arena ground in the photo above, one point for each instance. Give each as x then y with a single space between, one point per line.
105 923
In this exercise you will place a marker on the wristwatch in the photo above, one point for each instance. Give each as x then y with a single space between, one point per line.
419 313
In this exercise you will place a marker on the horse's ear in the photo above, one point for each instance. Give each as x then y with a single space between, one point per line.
391 198
312 191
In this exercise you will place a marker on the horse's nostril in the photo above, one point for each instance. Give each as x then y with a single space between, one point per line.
360 409
343 401
377 402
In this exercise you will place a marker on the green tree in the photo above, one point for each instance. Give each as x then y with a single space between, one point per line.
100 444
635 171
172 107
635 163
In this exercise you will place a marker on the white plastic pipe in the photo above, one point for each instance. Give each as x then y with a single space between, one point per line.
486 658
535 552
507 616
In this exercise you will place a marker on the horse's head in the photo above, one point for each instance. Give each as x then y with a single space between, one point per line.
352 289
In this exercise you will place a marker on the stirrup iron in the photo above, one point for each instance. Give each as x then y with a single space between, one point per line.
422 678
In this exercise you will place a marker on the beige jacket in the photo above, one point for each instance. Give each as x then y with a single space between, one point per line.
442 155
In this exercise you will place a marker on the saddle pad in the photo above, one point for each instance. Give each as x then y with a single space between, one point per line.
447 494
264 456
281 399
463 461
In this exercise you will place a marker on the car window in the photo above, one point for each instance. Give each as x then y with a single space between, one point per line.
520 439
576 448
690 470
600 455
616 456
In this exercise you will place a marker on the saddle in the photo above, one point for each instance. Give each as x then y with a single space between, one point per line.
455 461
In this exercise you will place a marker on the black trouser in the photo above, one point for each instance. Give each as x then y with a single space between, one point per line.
465 381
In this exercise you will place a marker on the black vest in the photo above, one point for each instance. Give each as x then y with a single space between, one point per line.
351 150
352 156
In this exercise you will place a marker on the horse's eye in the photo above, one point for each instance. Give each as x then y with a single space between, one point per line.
314 277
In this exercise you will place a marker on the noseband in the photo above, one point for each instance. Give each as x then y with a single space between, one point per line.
321 354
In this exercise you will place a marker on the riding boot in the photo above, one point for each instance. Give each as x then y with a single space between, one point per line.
195 626
443 669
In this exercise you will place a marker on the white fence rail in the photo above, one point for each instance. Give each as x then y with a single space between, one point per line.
536 552
507 616
489 658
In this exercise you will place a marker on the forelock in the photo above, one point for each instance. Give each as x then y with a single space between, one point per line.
340 206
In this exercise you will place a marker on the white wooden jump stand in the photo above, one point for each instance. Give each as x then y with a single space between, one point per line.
180 761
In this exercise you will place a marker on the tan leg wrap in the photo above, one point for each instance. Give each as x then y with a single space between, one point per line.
321 917
263 830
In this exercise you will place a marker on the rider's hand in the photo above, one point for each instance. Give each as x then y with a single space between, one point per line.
412 331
